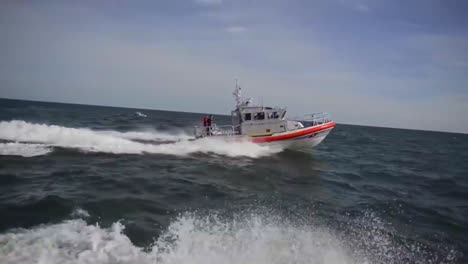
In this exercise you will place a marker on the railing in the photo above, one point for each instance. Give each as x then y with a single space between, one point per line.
314 119
215 130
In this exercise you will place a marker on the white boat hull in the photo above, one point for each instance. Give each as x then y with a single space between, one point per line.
303 144
302 139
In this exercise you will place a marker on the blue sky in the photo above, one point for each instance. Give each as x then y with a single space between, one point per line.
375 62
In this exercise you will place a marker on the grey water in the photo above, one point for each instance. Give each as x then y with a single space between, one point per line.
91 184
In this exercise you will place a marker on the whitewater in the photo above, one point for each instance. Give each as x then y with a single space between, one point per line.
24 150
30 139
192 238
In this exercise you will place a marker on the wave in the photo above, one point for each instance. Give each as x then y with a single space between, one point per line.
24 150
140 114
189 239
121 143
205 239
80 213
249 239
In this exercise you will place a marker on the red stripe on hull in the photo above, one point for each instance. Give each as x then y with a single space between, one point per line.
300 133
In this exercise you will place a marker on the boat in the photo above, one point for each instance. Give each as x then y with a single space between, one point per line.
269 125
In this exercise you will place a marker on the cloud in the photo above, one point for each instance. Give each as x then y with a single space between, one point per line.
441 50
363 8
208 2
236 29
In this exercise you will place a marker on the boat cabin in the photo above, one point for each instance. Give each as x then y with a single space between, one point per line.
252 120
258 120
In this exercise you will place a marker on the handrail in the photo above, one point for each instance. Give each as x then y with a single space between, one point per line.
313 119
215 130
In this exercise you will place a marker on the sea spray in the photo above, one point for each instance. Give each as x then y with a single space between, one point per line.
23 149
197 238
189 239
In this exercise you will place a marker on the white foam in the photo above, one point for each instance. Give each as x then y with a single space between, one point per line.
254 239
189 239
22 149
80 213
69 242
119 143
149 135
192 239
140 114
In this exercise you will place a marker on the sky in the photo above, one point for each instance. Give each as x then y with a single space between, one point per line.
390 63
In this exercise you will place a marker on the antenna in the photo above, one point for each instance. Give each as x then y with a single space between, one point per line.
237 93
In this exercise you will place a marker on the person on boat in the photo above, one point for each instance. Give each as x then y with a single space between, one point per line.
212 125
205 124
208 125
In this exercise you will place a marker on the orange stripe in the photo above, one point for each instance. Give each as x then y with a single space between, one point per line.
300 133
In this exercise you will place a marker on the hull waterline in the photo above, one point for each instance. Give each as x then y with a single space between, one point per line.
300 139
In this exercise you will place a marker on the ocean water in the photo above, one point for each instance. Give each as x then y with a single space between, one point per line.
88 184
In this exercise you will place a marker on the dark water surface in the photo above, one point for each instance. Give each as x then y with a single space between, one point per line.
86 184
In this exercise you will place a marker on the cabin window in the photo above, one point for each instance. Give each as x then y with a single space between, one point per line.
284 113
248 116
259 116
273 115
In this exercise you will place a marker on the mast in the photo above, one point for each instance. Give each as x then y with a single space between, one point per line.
238 93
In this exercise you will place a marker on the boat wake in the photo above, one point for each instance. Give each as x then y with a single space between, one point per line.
24 150
32 137
151 136
192 238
